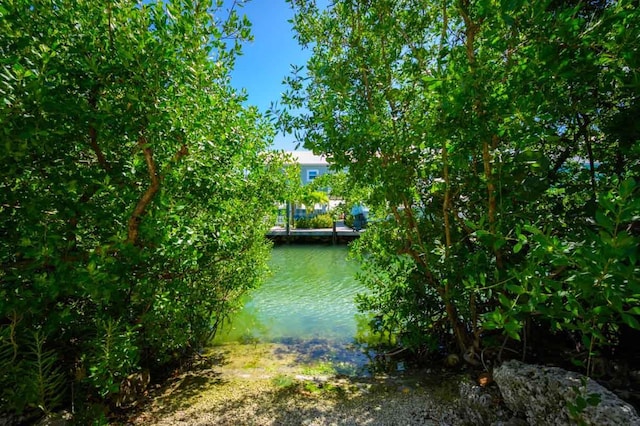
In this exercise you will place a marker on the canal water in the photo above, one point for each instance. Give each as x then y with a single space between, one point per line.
308 302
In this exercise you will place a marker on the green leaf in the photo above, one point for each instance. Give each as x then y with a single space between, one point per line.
504 300
513 329
480 233
603 220
601 310
593 399
581 403
630 320
516 289
627 187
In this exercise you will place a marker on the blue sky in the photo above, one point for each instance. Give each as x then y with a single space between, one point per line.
267 60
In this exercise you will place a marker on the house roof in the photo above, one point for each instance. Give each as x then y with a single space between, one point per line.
308 158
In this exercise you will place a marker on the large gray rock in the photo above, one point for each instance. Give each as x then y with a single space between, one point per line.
481 406
544 395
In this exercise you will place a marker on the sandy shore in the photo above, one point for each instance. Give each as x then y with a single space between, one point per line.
269 385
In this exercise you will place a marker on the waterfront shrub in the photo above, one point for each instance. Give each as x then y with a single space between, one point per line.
585 285
503 162
303 223
320 221
130 226
348 220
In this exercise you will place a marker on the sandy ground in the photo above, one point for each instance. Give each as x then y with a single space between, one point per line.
272 385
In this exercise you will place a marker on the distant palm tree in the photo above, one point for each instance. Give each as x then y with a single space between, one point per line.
311 198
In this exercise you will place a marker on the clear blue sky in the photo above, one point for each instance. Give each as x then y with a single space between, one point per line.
267 60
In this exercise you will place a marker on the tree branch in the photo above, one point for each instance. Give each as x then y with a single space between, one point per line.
133 228
93 133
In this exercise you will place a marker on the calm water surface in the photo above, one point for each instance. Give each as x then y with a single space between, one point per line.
309 295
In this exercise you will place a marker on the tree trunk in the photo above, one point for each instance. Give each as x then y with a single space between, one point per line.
133 228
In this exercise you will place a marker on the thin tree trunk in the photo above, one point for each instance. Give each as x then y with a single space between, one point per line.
93 132
583 120
447 199
133 228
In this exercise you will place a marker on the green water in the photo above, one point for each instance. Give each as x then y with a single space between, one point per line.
309 295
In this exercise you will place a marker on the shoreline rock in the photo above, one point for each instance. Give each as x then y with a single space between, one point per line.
553 396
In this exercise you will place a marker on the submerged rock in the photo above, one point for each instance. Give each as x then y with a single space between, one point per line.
553 396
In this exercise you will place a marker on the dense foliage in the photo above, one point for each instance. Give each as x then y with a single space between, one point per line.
499 143
316 222
135 192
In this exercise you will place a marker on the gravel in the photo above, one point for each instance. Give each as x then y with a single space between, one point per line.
264 385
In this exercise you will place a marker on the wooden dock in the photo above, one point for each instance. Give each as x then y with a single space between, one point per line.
340 234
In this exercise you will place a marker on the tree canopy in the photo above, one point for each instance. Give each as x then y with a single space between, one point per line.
498 142
135 191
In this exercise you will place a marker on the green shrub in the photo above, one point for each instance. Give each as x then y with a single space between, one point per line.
348 220
322 221
593 291
31 377
112 356
125 252
303 223
318 222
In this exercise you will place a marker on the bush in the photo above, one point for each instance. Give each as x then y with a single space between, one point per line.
130 226
318 222
322 221
349 221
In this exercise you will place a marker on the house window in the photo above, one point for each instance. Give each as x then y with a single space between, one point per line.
311 175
